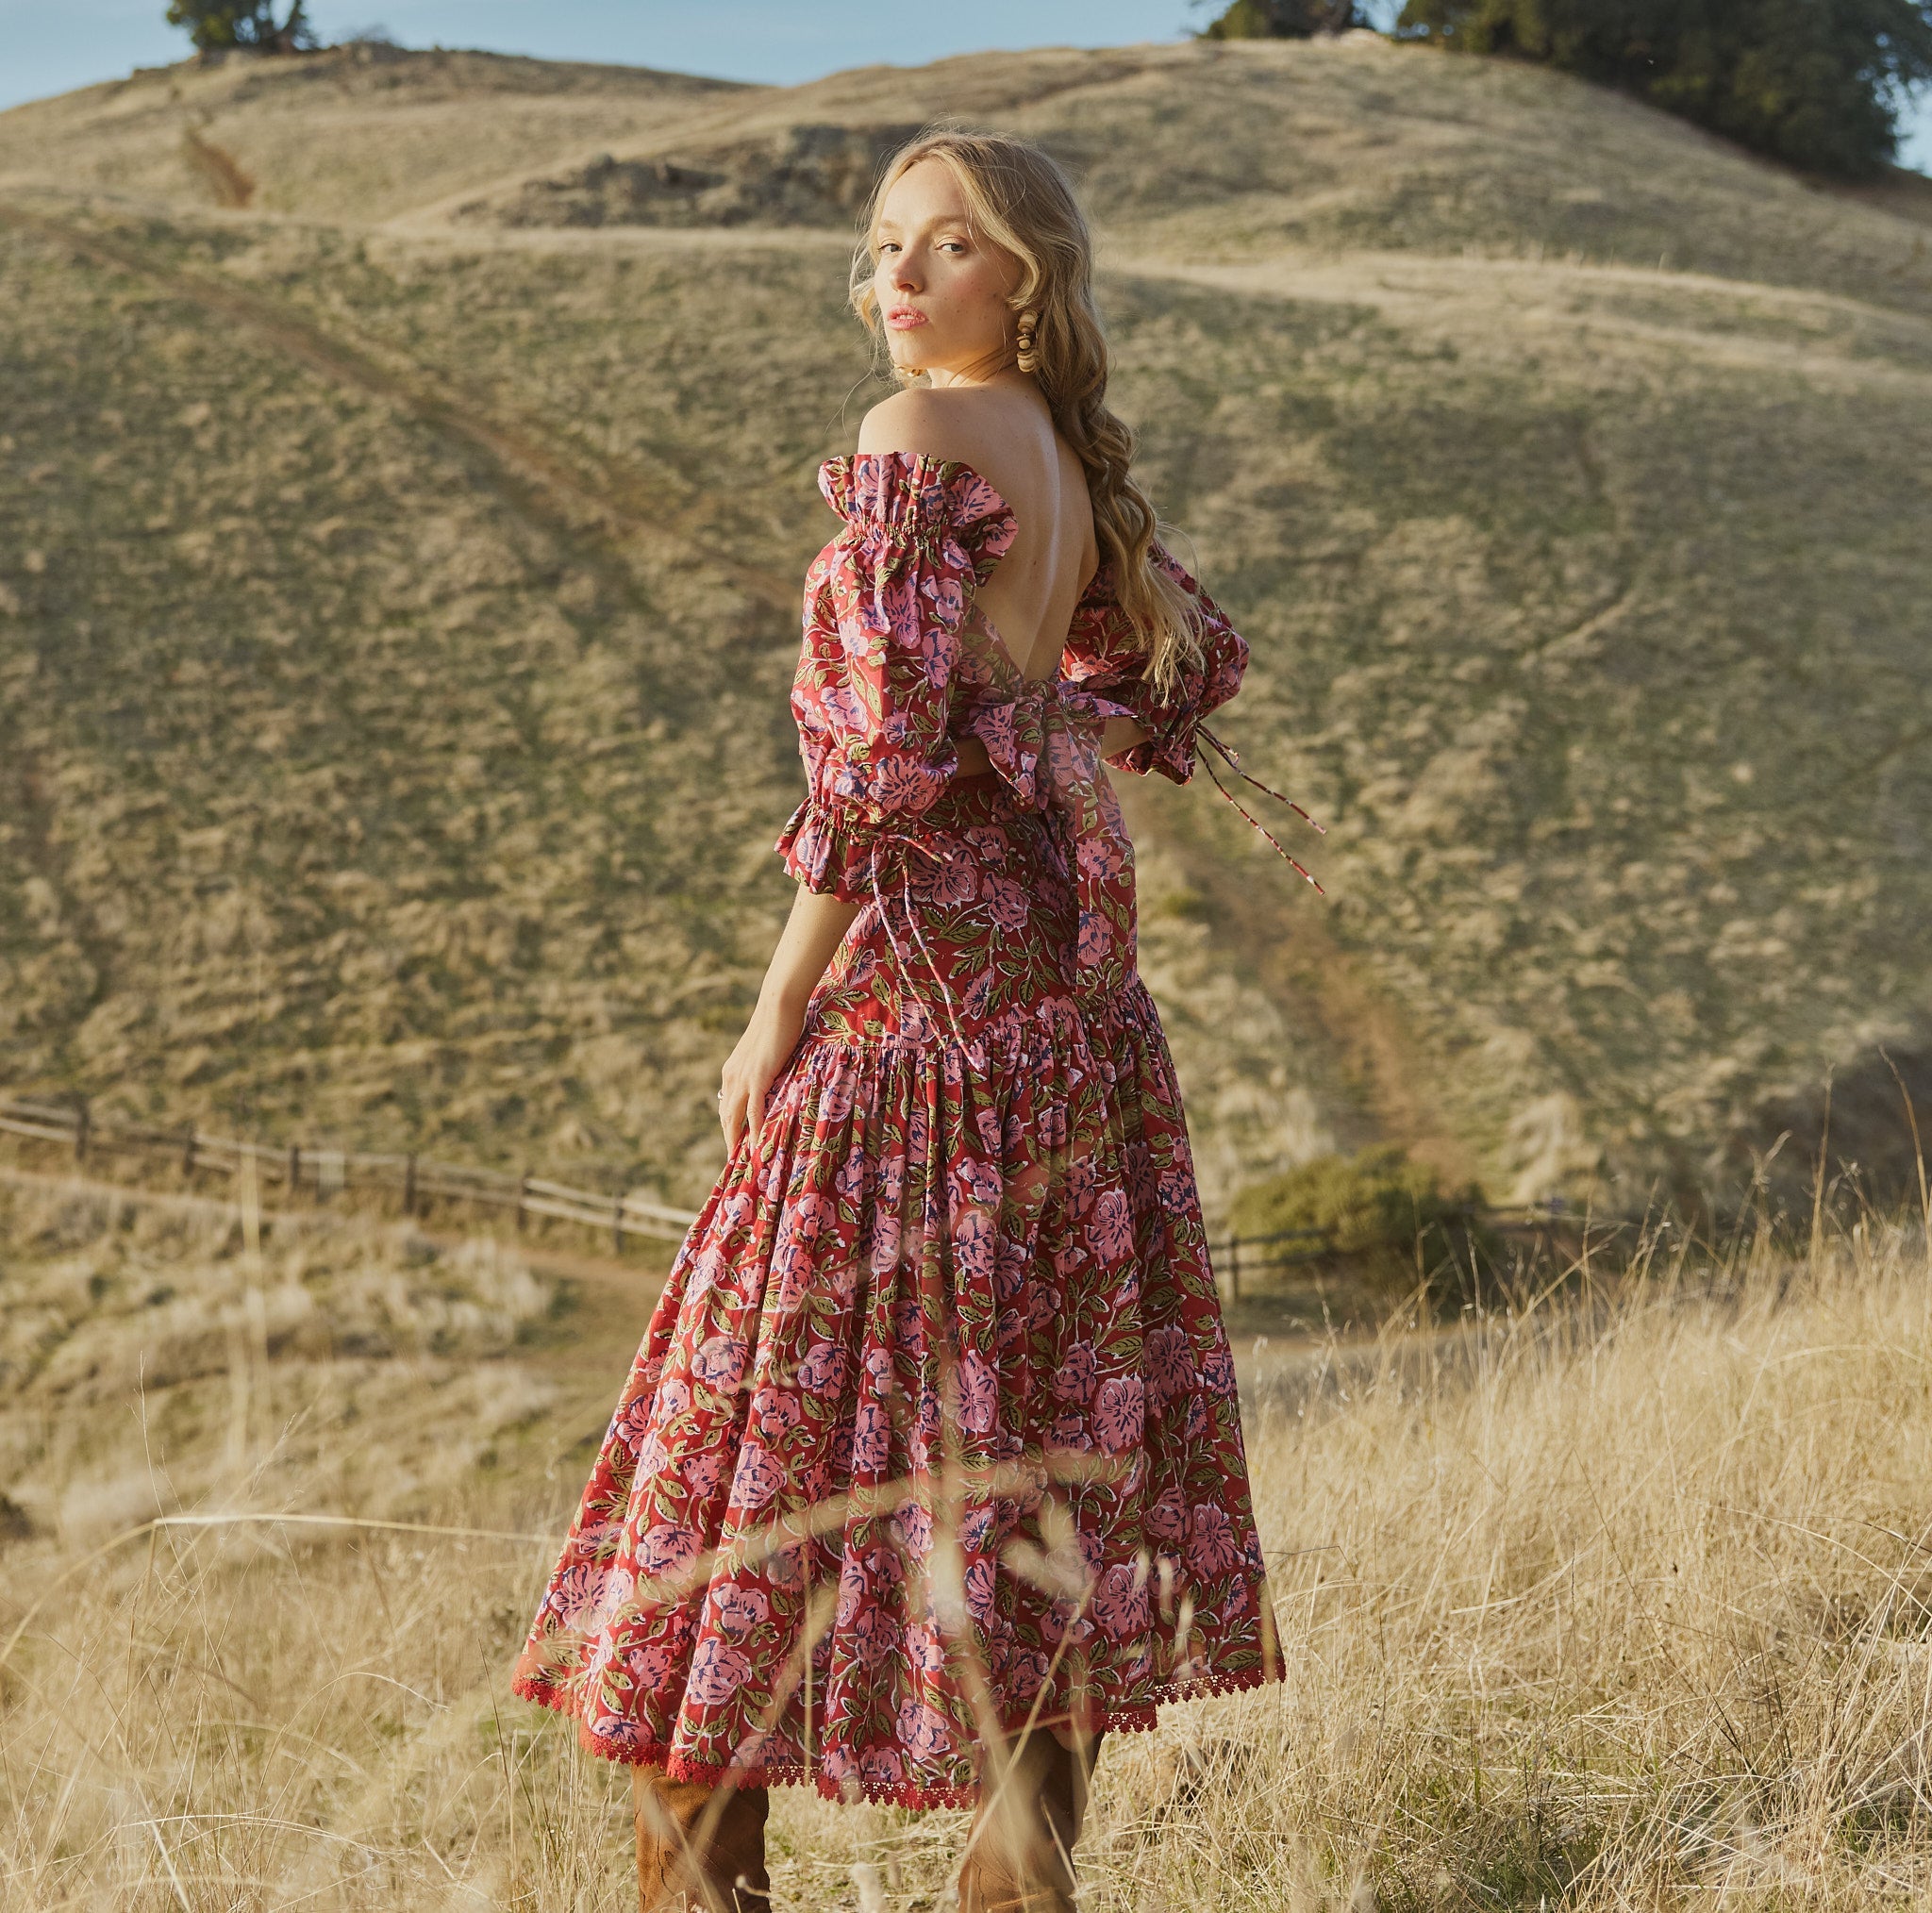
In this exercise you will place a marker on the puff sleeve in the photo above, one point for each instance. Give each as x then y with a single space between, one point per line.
1103 658
884 607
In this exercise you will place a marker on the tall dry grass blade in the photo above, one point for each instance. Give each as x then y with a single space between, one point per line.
1917 1149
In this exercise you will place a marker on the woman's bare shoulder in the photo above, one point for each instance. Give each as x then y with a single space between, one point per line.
918 423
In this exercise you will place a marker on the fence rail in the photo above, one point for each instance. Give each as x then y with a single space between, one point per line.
1284 1248
303 1169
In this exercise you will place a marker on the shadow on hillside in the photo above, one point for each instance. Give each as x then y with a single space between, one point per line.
1870 1122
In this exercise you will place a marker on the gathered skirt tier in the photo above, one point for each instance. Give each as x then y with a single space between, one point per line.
934 1429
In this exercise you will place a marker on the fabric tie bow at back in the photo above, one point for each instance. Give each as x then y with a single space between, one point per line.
1045 741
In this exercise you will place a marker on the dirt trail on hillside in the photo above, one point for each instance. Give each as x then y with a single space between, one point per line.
590 510
573 1264
587 1346
1441 294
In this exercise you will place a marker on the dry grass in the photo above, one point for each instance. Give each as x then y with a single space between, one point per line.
1619 1602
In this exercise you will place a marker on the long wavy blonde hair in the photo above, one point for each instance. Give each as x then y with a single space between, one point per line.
1020 200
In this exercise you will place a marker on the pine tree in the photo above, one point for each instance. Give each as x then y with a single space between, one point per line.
1283 20
1817 83
216 24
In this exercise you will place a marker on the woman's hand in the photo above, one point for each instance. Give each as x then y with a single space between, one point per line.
762 1051
812 932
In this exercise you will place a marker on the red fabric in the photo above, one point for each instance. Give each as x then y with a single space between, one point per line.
935 1426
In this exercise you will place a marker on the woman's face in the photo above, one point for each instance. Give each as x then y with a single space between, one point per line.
941 292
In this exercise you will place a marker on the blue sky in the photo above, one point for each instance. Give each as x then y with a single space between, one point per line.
47 49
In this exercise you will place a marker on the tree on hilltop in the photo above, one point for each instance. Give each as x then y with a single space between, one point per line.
1817 83
1284 20
215 25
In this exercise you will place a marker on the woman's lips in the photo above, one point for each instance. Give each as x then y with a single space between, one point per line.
902 318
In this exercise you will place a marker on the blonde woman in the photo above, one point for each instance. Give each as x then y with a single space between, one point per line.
929 1471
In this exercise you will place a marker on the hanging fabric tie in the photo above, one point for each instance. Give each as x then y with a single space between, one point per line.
905 841
1234 764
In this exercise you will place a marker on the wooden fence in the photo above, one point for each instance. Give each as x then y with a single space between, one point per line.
1234 1255
303 1172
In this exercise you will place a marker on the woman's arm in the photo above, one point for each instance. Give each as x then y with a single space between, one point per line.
814 931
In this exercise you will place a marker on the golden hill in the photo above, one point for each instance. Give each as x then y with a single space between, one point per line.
409 459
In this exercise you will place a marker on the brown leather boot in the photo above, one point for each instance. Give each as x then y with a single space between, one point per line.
1020 1850
700 1847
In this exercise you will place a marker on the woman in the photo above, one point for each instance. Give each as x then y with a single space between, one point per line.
929 1471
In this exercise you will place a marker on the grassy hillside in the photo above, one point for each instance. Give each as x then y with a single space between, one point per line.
358 133
395 642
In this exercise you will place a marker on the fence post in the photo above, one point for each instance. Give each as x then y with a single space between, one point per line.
188 1153
1234 1268
294 1168
523 1195
617 1225
410 1184
83 1121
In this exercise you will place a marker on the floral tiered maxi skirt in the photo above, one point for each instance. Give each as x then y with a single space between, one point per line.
934 1429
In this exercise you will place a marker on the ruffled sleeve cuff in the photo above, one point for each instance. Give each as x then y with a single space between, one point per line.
1170 727
1169 745
829 851
1108 662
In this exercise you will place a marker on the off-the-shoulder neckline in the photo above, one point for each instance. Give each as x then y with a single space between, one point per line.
845 461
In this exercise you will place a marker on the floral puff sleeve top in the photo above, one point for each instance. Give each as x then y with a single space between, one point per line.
897 666
881 673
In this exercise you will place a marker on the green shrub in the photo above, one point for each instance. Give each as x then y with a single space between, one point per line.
1377 1208
1284 20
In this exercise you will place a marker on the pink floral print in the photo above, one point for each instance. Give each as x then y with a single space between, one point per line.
953 1312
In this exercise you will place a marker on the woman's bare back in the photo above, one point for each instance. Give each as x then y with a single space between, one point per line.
1005 433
